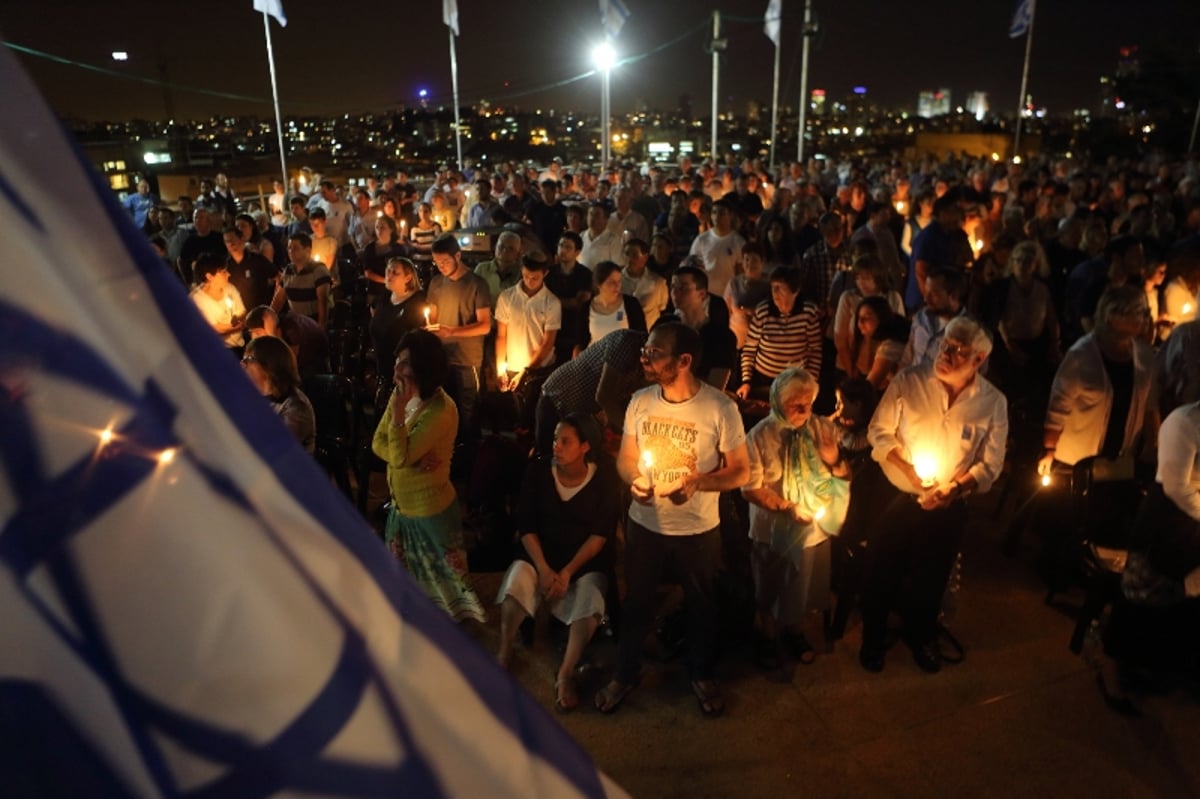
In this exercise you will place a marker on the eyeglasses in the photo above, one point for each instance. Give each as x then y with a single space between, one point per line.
654 354
957 350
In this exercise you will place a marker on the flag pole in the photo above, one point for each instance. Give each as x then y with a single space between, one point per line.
275 96
806 34
775 93
1195 126
1024 80
716 67
454 80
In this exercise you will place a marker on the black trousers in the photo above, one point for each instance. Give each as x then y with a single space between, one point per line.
693 561
907 565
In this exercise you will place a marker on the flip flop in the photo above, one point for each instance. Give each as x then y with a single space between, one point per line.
566 695
708 697
610 697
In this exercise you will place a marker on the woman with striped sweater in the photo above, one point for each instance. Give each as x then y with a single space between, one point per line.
784 331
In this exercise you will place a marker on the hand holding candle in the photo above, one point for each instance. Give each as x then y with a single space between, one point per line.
925 465
648 468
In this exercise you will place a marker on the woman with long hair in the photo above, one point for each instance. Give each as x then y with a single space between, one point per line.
415 437
271 366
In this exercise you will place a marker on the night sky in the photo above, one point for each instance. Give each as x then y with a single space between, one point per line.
369 55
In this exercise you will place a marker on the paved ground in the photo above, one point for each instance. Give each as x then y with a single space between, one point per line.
1021 714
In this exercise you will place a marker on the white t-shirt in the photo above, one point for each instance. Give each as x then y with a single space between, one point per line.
528 319
650 290
601 324
221 311
720 255
682 438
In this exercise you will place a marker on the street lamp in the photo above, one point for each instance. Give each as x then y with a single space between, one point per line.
604 57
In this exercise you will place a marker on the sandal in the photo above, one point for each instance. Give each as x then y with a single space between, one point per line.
610 697
566 695
708 696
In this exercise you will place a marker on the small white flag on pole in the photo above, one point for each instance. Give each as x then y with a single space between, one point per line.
274 8
613 14
771 20
1021 20
450 14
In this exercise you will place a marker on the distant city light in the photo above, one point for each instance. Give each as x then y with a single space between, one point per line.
423 93
860 89
120 55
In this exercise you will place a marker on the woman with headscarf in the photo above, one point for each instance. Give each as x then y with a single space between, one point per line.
798 492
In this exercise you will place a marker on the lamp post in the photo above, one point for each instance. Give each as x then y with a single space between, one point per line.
604 57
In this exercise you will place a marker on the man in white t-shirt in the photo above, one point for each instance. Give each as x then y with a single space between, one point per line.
528 318
649 289
600 244
719 247
683 444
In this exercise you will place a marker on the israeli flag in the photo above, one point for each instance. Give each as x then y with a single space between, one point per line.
272 7
613 14
189 608
771 20
1021 20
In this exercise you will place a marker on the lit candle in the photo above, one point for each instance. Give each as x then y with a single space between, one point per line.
978 245
166 456
426 316
1187 307
901 207
1045 480
925 465
648 462
106 436
229 304
820 514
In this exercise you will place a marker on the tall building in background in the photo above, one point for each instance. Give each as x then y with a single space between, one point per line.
817 103
932 103
977 105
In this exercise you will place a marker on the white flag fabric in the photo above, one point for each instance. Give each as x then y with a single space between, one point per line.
189 607
272 7
771 20
1021 20
613 14
450 14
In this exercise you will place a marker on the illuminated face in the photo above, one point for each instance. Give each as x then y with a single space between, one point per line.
752 265
447 265
568 450
797 406
566 251
398 279
318 226
868 321
659 365
508 249
610 289
956 359
533 279
383 231
297 253
404 369
684 294
783 296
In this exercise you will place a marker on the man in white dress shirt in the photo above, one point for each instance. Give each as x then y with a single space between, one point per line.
939 434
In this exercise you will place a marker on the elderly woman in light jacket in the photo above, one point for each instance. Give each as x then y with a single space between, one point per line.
1109 370
798 492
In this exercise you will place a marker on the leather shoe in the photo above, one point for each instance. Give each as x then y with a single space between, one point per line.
927 656
871 659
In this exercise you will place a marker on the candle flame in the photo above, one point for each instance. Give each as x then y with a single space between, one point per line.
106 436
820 514
1187 307
166 456
925 465
503 367
647 459
1045 480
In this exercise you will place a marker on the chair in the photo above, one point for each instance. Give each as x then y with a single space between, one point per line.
1104 499
338 426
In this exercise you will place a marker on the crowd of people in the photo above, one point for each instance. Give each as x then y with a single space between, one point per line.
822 362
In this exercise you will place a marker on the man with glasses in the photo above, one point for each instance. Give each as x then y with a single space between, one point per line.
683 444
939 434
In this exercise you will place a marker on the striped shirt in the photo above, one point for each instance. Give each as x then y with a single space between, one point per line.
776 341
301 287
422 241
